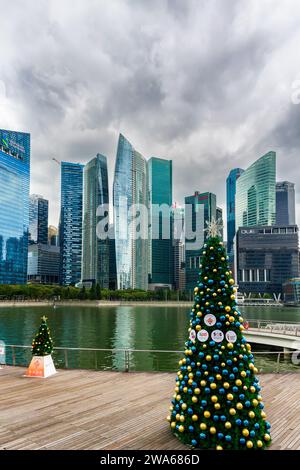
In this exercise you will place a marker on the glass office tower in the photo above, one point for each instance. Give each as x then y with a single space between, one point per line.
14 206
230 206
129 190
204 204
38 219
285 203
95 251
255 193
70 231
161 263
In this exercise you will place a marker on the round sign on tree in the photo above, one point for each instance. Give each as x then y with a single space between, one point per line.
217 402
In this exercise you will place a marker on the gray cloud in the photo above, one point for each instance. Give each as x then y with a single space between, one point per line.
207 84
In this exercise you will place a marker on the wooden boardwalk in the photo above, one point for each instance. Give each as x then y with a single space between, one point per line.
81 409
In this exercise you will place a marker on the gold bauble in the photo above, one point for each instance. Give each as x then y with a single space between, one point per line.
182 418
259 443
169 418
227 425
229 396
239 406
238 382
203 383
173 425
232 411
181 428
195 418
249 444
184 406
227 308
217 406
212 430
214 399
197 391
251 414
229 345
245 432
226 385
267 437
219 447
194 399
208 357
206 414
202 426
213 385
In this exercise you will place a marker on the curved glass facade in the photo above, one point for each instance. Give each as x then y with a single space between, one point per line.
95 251
255 202
130 187
70 231
14 206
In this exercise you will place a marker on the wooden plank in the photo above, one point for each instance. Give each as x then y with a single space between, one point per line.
81 409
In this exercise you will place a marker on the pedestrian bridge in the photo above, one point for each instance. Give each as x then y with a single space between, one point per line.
284 335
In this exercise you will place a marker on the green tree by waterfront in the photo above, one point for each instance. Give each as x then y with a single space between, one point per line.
42 344
217 402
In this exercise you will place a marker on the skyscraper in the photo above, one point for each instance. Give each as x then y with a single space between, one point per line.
38 219
285 203
161 265
219 216
70 230
130 192
230 206
95 251
199 209
14 206
255 193
178 248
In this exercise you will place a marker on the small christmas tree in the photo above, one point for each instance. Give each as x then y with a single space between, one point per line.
42 345
217 402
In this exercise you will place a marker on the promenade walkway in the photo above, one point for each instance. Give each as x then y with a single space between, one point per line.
82 409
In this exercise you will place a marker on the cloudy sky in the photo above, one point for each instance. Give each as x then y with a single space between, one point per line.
210 84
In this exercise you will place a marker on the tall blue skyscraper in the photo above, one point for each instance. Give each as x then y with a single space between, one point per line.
14 206
161 263
199 209
130 190
38 219
230 206
70 230
95 250
285 203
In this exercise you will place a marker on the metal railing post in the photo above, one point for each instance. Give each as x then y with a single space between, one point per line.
66 358
126 358
278 363
13 355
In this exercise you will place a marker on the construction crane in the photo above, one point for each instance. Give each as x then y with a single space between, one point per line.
55 160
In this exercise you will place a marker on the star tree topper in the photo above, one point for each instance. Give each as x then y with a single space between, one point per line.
214 227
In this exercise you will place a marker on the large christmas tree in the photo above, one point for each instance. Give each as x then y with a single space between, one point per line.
42 345
217 402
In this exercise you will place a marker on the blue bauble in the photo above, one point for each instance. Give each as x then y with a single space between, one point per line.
216 418
202 436
190 411
231 376
261 406
216 357
210 281
242 440
229 362
212 343
211 379
220 435
252 433
218 324
238 422
198 373
207 390
204 366
235 370
222 391
194 442
256 426
227 438
246 422
225 372
268 425
201 354
235 389
241 396
203 402
223 418
247 404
